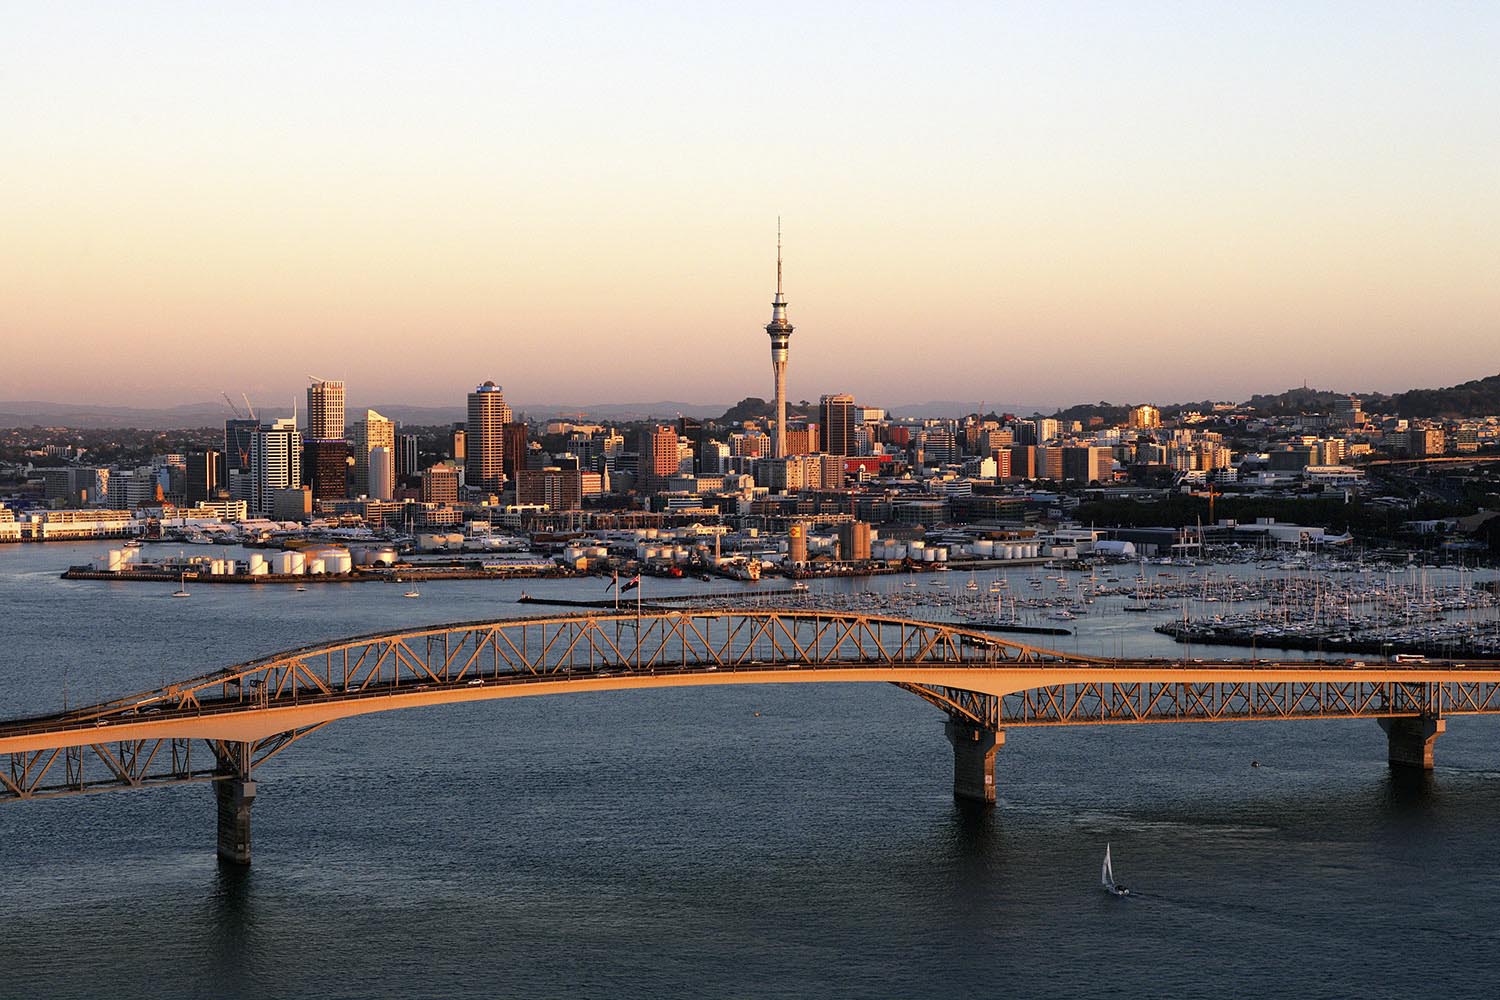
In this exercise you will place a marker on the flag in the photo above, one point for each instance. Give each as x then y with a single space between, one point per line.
632 583
613 583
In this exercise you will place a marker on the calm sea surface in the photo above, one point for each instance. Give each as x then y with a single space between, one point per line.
677 843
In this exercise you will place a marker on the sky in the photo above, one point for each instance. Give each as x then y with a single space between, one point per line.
1033 202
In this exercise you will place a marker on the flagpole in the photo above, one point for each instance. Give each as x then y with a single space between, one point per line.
617 591
638 588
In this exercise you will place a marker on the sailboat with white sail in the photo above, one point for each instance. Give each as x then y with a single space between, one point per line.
1107 877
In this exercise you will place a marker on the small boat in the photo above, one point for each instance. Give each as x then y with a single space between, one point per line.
412 593
300 588
800 587
1107 877
181 590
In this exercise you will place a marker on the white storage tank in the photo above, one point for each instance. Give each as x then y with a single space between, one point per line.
942 554
984 548
115 560
929 555
258 564
339 562
316 567
289 563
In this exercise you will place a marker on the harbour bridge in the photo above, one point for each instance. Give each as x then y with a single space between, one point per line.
222 727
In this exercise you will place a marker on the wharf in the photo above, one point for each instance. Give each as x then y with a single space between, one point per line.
400 575
1323 644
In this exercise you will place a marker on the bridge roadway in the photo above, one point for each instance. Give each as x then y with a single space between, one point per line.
223 726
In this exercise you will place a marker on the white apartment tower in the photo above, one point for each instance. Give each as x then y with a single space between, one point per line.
275 462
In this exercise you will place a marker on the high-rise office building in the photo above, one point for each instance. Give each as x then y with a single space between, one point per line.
201 481
275 463
484 445
325 468
555 487
780 332
440 484
374 431
325 411
515 449
238 434
382 478
406 456
659 457
838 424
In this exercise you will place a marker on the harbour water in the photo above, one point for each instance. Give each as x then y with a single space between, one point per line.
720 842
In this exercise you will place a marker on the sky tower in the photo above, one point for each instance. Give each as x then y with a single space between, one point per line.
780 332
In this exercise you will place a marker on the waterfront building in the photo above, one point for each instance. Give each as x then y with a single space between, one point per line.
275 463
837 423
293 503
780 332
325 411
484 463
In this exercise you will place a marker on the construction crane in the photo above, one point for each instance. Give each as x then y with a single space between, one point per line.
246 398
232 408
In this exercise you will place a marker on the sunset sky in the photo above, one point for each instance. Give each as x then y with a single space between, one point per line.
1043 202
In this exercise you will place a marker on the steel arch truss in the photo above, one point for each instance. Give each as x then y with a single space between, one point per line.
105 766
494 652
1224 701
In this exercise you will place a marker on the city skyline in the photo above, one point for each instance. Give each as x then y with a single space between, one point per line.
1028 204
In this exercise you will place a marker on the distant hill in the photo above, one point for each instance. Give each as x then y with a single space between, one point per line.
1471 399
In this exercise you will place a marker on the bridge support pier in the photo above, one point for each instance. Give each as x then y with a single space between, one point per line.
1409 740
973 760
235 796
